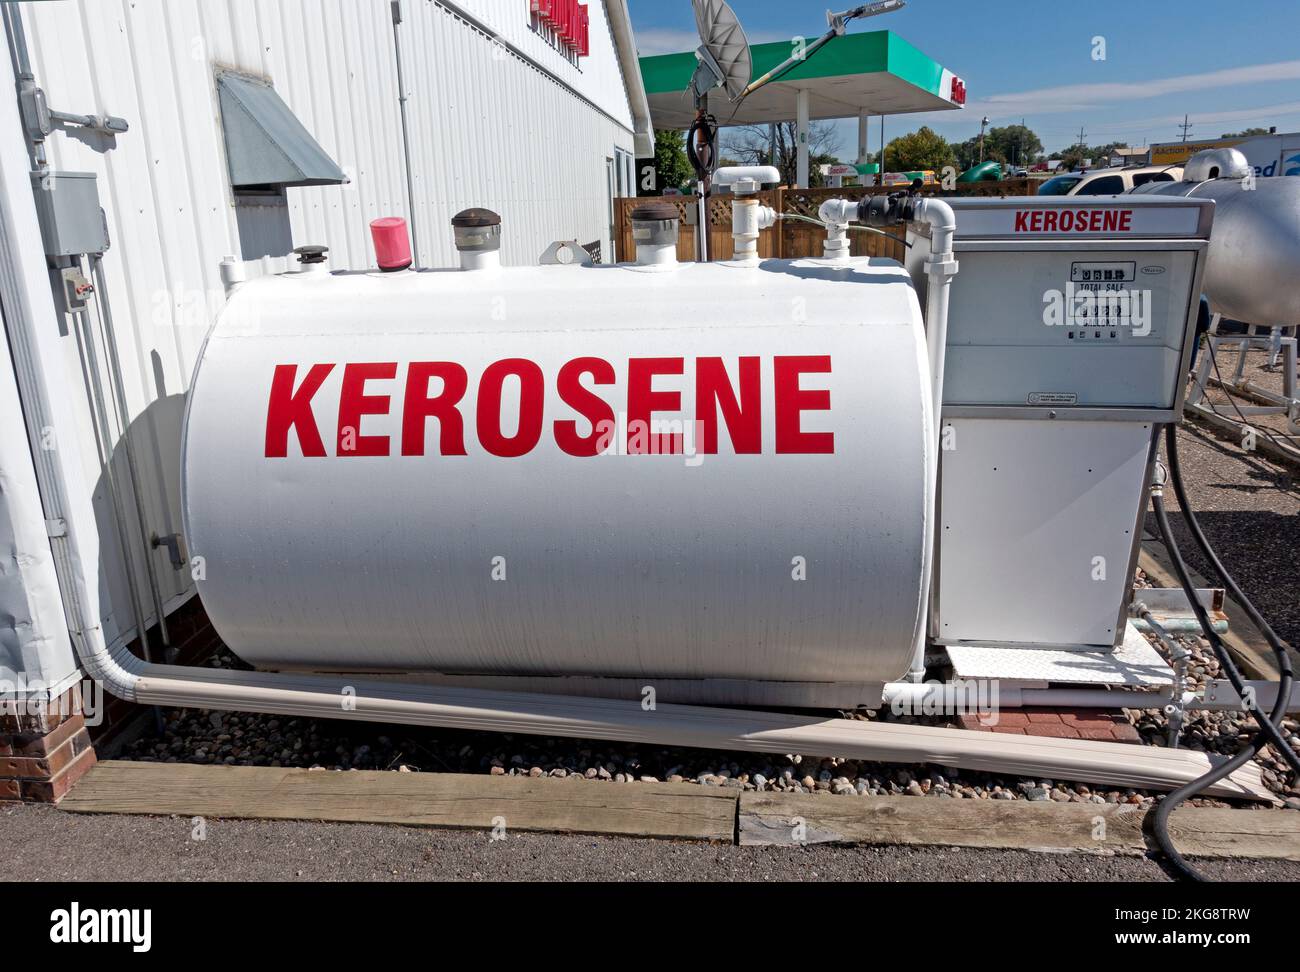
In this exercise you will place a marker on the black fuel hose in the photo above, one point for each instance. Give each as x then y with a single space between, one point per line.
1171 802
702 147
1270 724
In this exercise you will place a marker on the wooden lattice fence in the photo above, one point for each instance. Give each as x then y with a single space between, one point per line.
792 238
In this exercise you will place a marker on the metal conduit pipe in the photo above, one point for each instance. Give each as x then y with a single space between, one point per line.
940 268
396 9
118 386
103 434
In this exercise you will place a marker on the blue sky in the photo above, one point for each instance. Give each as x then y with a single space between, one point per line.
1229 64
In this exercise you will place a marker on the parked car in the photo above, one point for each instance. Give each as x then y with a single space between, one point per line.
1108 182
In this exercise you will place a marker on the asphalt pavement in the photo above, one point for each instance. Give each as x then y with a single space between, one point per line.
45 843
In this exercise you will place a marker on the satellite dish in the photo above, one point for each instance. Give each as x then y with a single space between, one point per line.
724 50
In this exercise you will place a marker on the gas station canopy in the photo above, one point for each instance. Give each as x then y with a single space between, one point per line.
872 73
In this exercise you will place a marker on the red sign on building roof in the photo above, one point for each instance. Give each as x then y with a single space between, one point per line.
569 19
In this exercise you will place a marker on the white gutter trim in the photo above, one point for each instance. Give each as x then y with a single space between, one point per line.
620 22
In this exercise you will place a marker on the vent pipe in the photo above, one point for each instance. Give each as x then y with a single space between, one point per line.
655 228
392 247
478 239
748 216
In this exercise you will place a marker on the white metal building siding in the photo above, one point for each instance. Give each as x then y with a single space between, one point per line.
488 128
33 632
475 105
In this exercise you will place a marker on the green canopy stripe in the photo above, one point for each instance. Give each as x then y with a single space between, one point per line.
866 53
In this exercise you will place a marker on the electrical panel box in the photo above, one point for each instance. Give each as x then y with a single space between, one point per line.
1070 326
67 207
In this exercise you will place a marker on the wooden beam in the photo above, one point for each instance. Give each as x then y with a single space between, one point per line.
785 818
465 801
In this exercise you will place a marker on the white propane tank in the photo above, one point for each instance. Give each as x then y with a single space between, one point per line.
450 471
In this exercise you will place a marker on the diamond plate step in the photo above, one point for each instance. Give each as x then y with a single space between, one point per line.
1134 663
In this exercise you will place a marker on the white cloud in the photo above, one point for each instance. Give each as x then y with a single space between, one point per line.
665 40
1082 97
1265 114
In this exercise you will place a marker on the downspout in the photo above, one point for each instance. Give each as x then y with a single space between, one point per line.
620 25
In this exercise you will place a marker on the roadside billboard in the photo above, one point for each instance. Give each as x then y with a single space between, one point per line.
1271 155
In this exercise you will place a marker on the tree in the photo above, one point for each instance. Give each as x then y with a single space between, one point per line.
671 165
751 144
918 150
968 153
1102 153
1248 133
1072 157
1009 145
1016 144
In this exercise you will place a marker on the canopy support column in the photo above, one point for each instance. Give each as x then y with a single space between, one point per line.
801 138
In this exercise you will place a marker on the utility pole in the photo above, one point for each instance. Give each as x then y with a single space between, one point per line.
1186 126
983 122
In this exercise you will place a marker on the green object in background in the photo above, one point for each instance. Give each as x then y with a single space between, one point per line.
984 172
867 168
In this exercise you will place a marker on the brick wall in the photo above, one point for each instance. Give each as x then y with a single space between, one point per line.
44 748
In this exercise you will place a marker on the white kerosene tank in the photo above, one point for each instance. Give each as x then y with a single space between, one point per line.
651 469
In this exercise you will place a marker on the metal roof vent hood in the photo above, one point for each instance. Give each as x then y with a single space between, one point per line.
266 144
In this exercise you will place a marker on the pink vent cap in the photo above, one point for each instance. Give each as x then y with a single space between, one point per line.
392 245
